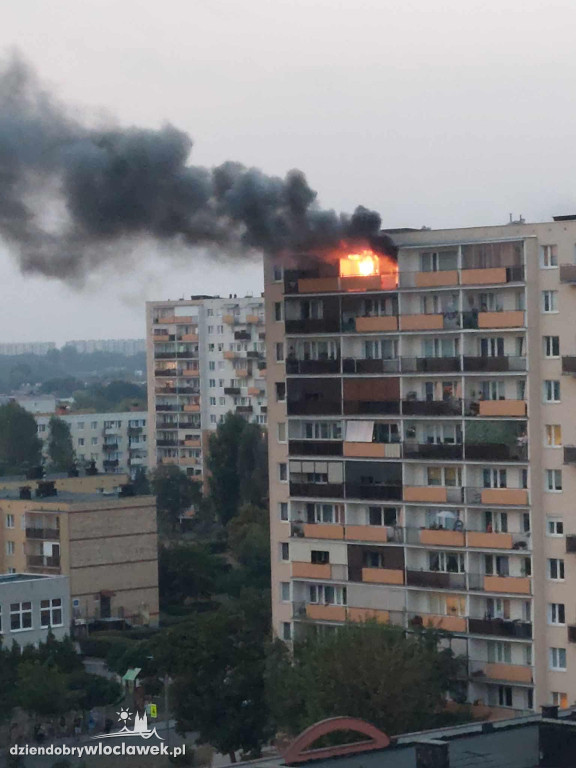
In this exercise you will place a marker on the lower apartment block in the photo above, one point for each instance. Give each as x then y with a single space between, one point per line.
422 447
105 543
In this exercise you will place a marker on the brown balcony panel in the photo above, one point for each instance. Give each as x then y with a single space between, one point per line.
433 279
368 614
310 570
322 531
436 579
422 322
509 319
509 584
319 285
483 276
451 407
326 612
377 533
372 450
442 538
433 494
502 408
490 540
374 492
500 628
315 448
515 673
317 490
382 576
446 623
373 324
508 496
361 283
568 273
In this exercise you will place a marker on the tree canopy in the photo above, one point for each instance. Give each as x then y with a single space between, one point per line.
175 492
20 445
60 447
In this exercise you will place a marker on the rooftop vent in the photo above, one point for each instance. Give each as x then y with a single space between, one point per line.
25 492
46 488
126 490
571 217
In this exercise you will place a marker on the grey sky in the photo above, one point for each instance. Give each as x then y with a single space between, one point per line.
446 113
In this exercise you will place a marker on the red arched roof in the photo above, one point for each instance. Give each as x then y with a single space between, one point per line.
299 751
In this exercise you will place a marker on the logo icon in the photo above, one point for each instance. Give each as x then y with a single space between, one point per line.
140 727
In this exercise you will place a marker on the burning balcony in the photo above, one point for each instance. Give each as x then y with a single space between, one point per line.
345 270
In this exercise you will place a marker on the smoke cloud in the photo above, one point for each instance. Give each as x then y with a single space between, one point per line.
72 197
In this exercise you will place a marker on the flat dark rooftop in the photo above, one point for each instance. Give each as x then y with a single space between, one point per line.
9 578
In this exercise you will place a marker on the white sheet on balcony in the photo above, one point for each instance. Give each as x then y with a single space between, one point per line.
359 431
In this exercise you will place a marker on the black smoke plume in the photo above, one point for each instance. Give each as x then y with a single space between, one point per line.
70 195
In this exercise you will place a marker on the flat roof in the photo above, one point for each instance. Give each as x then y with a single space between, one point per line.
69 497
8 578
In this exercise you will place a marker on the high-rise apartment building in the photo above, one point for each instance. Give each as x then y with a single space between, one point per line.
422 455
123 346
206 357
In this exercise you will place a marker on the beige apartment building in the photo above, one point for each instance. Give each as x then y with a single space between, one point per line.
423 447
88 530
206 357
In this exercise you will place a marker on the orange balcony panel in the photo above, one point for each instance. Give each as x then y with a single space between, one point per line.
514 584
382 576
432 279
483 276
161 337
432 493
194 408
490 540
228 355
228 319
369 450
326 612
242 373
512 319
442 538
253 391
516 496
263 372
319 285
369 324
320 531
188 461
190 372
448 623
361 283
253 319
421 322
513 672
192 443
189 337
366 533
310 570
368 614
502 408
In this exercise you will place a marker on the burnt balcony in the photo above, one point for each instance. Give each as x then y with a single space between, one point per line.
165 355
186 425
570 454
231 390
36 562
430 364
313 325
366 365
314 407
449 451
451 407
43 533
436 579
294 366
495 452
371 407
242 336
244 409
479 364
374 491
568 273
500 628
164 372
317 490
315 448
163 407
569 364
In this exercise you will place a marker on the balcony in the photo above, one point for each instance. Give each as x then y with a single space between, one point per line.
513 673
452 407
314 407
232 390
368 614
504 319
422 322
381 324
428 279
434 494
315 448
436 621
495 452
500 628
244 409
441 538
480 540
367 365
36 562
492 275
302 570
374 492
317 490
382 576
371 407
430 364
242 336
312 326
372 450
110 446
518 585
321 530
436 579
497 408
431 451
163 443
503 363
43 533
517 497
569 364
568 273
376 533
304 367
319 612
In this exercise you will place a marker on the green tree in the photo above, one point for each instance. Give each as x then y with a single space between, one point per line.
42 689
218 663
19 442
141 483
60 447
175 493
238 466
358 671
249 543
188 571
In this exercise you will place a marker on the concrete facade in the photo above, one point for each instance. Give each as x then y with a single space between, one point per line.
31 606
206 357
421 448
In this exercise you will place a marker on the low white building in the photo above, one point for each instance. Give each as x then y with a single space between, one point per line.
117 442
31 606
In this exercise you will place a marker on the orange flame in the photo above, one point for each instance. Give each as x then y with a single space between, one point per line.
361 264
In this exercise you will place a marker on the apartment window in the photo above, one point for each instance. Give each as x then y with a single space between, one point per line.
210 329
222 400
382 516
80 425
10 547
555 569
551 391
281 432
11 570
279 352
286 630
553 480
551 346
560 699
558 658
51 612
9 521
212 383
556 613
283 510
446 562
212 419
554 526
209 313
277 273
94 425
327 595
41 427
280 391
220 329
211 347
80 441
553 435
549 301
499 652
505 696
221 384
434 261
285 591
278 310
284 551
548 256
283 472
212 401
20 616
